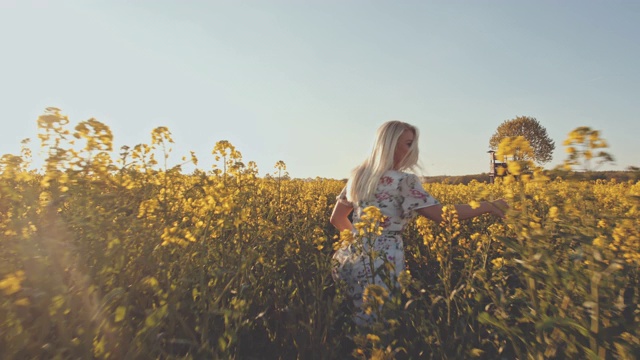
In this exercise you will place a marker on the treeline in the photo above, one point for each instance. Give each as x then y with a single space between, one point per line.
619 176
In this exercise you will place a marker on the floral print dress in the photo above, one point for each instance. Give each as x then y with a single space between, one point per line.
397 196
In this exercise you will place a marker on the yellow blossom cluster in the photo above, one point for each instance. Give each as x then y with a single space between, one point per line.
626 240
373 297
369 224
11 283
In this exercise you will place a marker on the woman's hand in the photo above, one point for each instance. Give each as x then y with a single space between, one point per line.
498 207
465 211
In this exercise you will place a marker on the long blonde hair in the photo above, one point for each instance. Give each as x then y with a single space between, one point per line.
365 178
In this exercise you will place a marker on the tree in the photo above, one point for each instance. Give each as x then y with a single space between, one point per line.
532 131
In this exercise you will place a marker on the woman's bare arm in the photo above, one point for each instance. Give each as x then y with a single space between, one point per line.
497 207
340 216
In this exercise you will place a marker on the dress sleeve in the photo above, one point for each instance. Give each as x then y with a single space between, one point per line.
342 198
414 195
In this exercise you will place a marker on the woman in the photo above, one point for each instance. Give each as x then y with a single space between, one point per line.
380 181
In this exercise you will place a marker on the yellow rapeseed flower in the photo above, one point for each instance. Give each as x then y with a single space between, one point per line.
22 302
346 238
514 167
11 283
373 338
374 294
598 242
498 262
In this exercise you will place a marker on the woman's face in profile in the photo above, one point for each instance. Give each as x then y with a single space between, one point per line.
402 147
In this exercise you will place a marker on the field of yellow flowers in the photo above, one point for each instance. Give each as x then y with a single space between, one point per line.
129 259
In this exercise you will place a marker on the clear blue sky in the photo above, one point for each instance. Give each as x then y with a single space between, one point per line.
308 82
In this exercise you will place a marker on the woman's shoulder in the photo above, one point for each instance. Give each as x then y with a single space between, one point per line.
399 174
395 178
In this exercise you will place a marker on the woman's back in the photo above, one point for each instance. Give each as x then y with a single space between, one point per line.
397 195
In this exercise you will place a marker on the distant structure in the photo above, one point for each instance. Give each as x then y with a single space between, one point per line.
494 166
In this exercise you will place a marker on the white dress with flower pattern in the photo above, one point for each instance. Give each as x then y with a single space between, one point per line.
397 196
